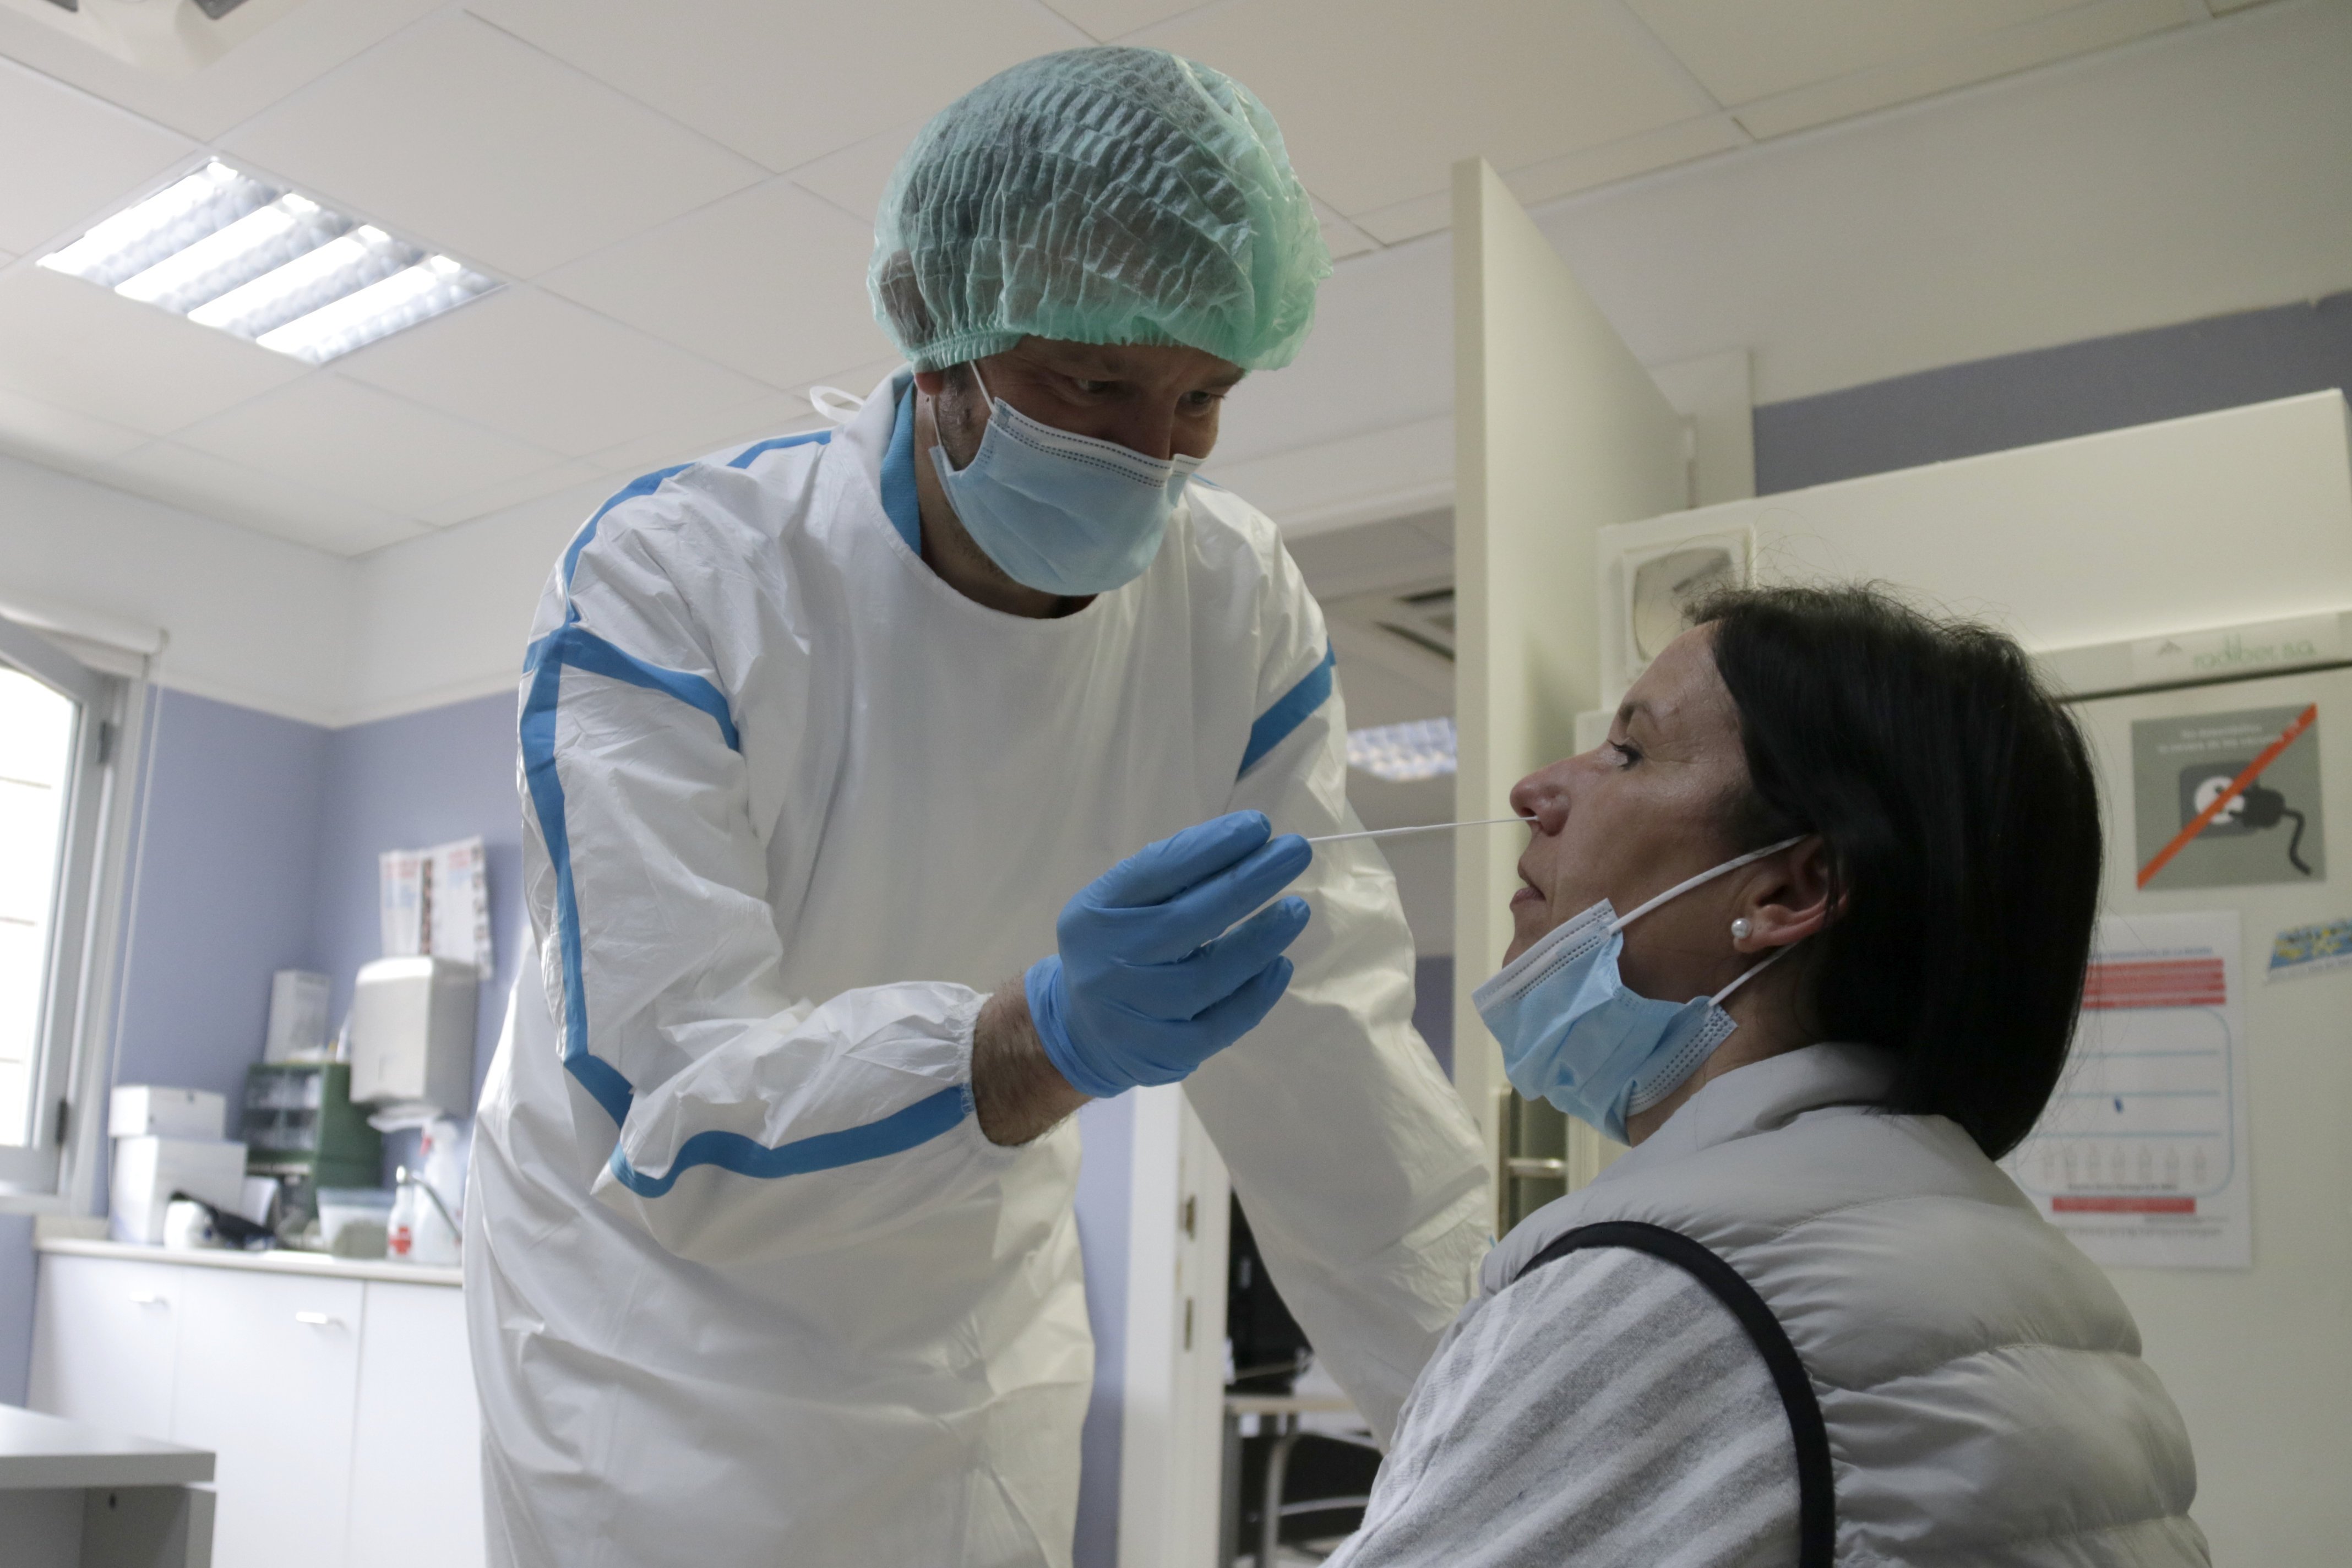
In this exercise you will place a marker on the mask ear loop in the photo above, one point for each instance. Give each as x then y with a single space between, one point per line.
1687 883
1754 969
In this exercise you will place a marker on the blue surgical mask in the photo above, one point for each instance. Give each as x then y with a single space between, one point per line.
1573 1033
1062 513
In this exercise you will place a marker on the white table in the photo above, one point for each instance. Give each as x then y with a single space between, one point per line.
76 1497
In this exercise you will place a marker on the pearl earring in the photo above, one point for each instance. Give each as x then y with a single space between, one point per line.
1740 929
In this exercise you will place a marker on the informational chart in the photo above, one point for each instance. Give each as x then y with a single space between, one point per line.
2141 1158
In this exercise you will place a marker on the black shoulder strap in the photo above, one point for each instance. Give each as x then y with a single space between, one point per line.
1816 1500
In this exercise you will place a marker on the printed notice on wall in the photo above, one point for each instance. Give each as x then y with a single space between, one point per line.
436 901
2141 1157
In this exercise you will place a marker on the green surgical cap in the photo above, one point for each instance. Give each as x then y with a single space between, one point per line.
1102 195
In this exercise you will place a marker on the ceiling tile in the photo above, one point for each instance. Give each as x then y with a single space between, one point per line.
460 136
1343 238
70 342
59 437
1659 148
288 54
1108 19
785 84
1741 49
92 155
771 281
234 492
1513 82
1977 59
353 440
853 179
514 493
1409 219
549 371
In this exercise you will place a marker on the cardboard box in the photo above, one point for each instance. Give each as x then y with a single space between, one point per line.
148 1171
152 1111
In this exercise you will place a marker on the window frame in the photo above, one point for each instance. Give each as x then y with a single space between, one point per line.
60 1174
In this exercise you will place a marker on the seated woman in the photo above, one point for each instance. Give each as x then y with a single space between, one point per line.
1806 1319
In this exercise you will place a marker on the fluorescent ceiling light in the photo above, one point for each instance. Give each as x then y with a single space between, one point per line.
1402 753
229 251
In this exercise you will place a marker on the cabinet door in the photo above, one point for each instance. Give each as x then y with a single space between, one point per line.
103 1337
416 1460
269 1373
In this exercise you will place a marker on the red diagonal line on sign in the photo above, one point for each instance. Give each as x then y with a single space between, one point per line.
2302 720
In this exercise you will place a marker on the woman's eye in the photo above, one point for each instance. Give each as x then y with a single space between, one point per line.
1626 755
1091 388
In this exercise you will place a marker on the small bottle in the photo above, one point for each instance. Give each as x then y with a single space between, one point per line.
400 1240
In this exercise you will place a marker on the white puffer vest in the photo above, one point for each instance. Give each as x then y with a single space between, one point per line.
1977 1380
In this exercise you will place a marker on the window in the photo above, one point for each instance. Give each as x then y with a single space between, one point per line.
60 724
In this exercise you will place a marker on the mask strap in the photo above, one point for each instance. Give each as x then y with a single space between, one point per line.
1754 969
1687 883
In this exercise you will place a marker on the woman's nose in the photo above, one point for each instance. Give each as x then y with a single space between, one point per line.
1542 794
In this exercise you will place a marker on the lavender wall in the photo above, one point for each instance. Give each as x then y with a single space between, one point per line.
2049 395
221 895
403 783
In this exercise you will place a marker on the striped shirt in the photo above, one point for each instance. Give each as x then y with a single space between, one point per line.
1604 1410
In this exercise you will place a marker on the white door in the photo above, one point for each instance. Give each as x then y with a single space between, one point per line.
268 1378
1559 432
1172 1402
104 1338
2259 1360
416 1457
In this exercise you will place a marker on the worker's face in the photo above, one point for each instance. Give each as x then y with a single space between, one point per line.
1159 401
1638 813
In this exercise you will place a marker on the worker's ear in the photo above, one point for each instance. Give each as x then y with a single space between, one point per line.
930 382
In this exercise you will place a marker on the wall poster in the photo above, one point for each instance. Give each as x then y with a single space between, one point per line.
2141 1157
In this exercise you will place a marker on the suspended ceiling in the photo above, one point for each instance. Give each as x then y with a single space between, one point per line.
680 197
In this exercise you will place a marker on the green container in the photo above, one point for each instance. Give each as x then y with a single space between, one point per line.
300 1123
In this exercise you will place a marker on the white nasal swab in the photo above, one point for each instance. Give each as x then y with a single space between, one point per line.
1424 828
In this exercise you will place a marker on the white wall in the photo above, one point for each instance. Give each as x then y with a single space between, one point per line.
2189 175
250 619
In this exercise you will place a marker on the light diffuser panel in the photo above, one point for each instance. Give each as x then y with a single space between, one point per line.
235 253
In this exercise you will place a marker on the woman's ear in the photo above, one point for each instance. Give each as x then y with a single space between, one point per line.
1792 900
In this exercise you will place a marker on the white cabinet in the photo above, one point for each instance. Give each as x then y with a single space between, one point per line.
269 1372
340 1406
416 1456
106 1346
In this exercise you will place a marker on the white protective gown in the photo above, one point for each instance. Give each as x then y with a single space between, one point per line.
746 1282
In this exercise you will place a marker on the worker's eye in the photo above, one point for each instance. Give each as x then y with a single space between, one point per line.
1201 401
1627 755
1091 388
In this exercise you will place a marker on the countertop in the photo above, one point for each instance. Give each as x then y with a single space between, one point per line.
316 1265
46 1453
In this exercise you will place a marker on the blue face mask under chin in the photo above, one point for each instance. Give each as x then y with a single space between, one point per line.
1573 1033
1062 513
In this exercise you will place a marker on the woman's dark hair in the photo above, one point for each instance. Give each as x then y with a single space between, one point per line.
1957 804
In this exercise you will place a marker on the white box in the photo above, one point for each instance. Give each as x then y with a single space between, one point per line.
153 1111
298 1014
412 1033
148 1171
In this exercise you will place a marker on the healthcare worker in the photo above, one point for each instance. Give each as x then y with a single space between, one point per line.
840 755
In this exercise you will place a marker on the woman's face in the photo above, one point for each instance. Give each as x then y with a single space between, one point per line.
1637 814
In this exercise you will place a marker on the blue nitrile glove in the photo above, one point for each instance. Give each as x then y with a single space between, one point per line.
1146 988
